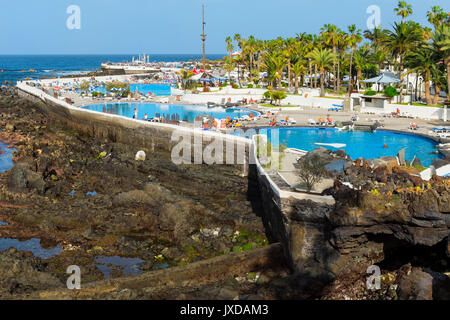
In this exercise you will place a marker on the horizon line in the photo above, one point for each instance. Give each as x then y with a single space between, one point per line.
101 54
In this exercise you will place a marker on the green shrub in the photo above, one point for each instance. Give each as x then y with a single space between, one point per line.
126 92
370 93
279 95
267 95
234 86
84 86
250 86
116 85
390 92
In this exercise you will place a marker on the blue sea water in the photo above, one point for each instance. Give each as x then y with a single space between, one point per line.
17 67
369 145
184 112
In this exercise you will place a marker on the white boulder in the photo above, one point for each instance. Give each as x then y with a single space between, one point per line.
140 156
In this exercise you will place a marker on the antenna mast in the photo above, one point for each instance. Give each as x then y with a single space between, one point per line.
203 35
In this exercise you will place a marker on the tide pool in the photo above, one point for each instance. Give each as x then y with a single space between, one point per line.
6 161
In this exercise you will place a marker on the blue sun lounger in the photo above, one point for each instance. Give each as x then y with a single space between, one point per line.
336 107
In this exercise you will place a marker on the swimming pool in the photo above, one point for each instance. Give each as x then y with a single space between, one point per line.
369 145
155 89
170 111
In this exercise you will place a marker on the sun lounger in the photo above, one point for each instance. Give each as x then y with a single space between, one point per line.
311 122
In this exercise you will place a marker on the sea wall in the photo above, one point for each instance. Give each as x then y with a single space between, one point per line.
151 136
297 221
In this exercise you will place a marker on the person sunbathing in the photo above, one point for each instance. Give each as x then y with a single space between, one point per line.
413 126
329 120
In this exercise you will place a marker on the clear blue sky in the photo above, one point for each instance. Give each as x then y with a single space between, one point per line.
174 26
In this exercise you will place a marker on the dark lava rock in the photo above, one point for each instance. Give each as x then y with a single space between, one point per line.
22 179
416 285
441 285
21 274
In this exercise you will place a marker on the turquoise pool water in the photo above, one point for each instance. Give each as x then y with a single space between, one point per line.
169 111
155 89
358 143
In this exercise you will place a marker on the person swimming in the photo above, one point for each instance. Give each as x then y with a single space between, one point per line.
135 114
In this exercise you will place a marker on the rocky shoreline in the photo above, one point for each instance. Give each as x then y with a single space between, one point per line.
91 198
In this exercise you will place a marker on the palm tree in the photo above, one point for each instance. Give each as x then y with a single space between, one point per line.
331 36
288 52
400 42
423 60
361 62
298 69
230 49
436 16
185 75
323 59
377 35
403 9
354 38
274 64
440 42
237 37
341 48
250 48
229 66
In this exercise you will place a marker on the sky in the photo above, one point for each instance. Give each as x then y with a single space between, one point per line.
174 26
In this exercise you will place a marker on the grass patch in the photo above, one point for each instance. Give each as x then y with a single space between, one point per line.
418 167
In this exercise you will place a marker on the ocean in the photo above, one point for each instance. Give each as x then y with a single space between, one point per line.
21 67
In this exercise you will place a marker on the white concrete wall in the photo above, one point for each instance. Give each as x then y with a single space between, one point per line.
417 111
